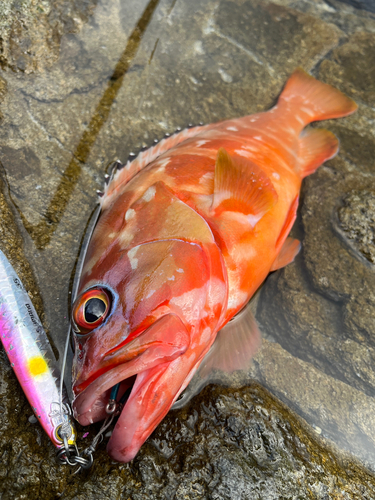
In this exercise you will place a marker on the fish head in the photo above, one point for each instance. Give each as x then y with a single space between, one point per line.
144 318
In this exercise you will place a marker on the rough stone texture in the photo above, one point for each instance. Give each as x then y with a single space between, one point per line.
357 219
31 30
361 4
226 444
115 76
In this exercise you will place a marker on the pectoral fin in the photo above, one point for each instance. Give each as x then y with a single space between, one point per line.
233 349
241 186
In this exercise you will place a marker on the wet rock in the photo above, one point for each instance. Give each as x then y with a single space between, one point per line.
13 247
352 67
347 415
20 163
225 444
314 322
361 4
118 76
357 219
276 36
30 32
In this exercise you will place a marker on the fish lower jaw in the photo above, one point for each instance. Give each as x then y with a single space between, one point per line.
145 407
90 406
124 454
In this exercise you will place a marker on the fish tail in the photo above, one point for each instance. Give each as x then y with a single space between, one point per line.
305 100
313 100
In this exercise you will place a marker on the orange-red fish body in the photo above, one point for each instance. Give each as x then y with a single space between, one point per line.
188 232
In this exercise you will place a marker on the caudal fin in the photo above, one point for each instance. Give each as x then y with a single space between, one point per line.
314 100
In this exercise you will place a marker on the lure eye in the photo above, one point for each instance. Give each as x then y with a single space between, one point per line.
90 310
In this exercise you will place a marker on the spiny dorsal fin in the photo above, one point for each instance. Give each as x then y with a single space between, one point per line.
287 253
315 147
123 176
241 186
233 349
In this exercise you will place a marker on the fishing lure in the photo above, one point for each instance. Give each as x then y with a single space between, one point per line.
33 361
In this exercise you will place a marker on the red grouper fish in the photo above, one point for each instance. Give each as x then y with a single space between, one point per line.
188 231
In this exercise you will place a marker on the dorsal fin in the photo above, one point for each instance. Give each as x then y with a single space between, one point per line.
233 349
287 253
241 186
123 176
315 147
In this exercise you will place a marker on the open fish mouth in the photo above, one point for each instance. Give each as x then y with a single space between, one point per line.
90 406
140 368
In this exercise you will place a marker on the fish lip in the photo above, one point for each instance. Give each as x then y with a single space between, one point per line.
121 351
143 353
86 399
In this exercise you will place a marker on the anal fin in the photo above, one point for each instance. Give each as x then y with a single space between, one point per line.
287 253
289 221
234 347
315 147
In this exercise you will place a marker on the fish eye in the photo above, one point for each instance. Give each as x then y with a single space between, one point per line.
95 308
90 310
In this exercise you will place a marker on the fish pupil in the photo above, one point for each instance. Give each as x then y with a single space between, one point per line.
94 310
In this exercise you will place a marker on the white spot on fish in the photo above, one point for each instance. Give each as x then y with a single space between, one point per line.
163 163
308 111
131 254
150 294
276 175
172 278
201 143
249 147
129 214
237 299
234 129
180 270
241 152
126 237
191 303
149 194
253 219
206 335
226 77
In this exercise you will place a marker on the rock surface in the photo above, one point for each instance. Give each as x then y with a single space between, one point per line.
357 219
84 82
31 31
